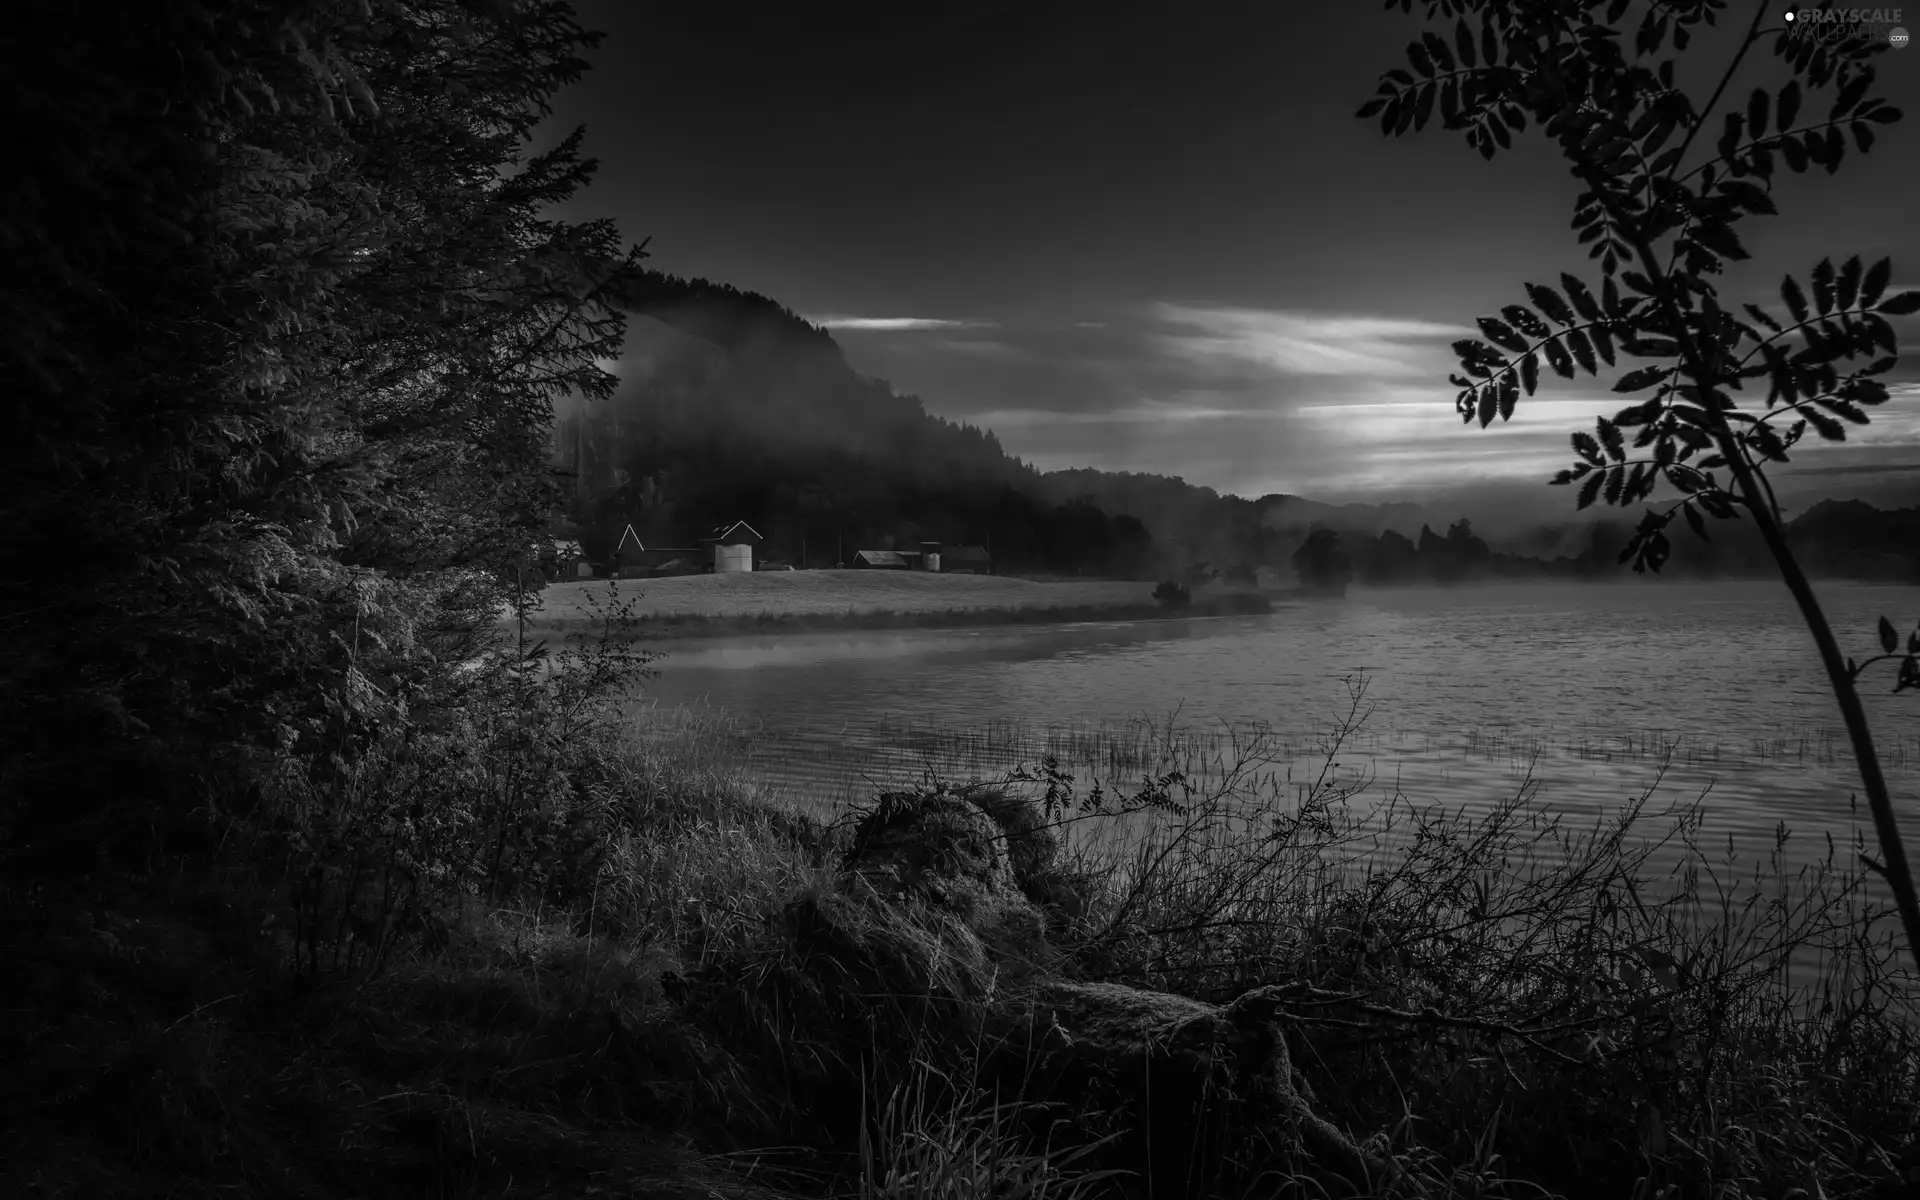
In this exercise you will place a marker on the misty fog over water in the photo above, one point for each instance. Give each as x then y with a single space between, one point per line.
1469 687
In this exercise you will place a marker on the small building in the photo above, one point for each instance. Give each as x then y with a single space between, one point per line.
883 560
733 546
570 561
634 559
966 560
629 555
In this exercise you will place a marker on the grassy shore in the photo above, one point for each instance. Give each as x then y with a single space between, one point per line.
794 601
520 953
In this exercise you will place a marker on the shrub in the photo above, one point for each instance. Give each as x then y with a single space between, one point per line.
1531 995
1171 594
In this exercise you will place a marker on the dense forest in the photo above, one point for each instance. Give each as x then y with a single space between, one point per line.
286 323
733 408
1834 539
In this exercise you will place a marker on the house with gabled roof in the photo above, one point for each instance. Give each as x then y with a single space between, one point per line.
630 554
733 546
966 560
634 559
569 560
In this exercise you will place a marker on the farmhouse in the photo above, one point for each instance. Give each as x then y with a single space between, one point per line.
632 559
630 554
966 560
569 561
733 546
884 560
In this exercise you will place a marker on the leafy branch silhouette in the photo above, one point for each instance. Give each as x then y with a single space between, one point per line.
1661 226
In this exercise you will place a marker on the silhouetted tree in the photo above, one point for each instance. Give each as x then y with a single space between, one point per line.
1132 547
1464 545
287 315
1322 563
1663 226
1391 560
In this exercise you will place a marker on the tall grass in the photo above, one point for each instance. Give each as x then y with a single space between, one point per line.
1725 1027
557 944
960 1142
1508 1003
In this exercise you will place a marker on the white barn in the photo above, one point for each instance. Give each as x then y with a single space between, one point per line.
733 547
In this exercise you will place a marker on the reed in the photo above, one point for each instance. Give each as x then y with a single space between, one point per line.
1510 1000
1590 1001
655 951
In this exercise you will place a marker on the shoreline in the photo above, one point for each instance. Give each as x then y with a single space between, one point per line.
698 625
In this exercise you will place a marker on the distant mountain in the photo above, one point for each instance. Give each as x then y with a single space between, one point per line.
1852 538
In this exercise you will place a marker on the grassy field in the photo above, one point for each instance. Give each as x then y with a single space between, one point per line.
696 604
807 593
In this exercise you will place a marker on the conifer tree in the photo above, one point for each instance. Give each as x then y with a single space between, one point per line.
286 316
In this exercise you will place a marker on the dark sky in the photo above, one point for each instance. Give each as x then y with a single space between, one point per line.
1147 237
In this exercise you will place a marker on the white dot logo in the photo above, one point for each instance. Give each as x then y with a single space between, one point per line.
1897 38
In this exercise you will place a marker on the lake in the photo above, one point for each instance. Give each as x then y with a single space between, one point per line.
1471 689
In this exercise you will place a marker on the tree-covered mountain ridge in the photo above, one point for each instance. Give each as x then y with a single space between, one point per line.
732 406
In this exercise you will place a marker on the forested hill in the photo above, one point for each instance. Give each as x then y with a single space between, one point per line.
732 407
744 323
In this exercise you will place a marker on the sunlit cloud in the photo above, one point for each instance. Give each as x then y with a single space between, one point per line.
1256 401
1412 437
1301 343
978 348
893 324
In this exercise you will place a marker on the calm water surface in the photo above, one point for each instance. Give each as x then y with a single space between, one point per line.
1471 689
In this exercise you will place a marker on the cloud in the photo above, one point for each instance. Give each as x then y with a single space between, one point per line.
1266 400
892 324
1300 343
978 348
